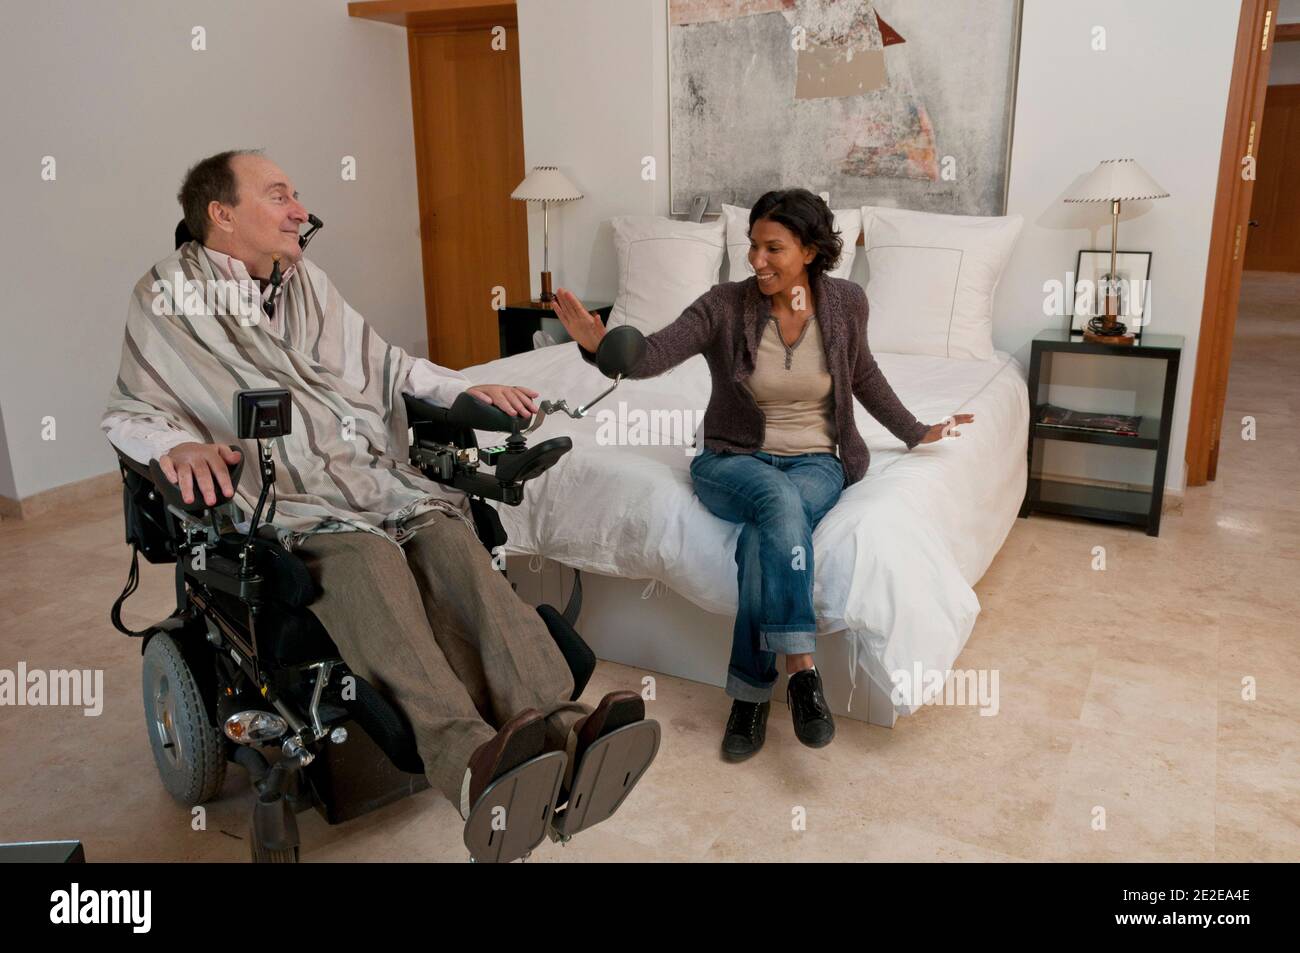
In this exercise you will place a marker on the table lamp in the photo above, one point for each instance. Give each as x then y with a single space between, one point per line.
546 184
1114 181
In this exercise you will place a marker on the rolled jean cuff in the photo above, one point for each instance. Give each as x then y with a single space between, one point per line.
787 640
742 690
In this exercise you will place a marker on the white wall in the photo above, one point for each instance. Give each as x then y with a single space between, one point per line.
115 93
7 486
594 103
1158 94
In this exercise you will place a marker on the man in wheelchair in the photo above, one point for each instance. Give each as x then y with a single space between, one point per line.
425 645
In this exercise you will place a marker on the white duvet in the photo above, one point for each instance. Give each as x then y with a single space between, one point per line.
895 559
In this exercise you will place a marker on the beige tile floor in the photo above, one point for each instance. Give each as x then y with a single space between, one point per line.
1122 692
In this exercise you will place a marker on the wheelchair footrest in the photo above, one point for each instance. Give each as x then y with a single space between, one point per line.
609 770
512 815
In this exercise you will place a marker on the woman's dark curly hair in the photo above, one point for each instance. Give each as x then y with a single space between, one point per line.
809 218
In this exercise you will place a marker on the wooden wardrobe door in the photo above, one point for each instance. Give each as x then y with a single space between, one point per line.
469 148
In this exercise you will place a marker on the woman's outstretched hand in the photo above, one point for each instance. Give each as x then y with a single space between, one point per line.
947 428
583 326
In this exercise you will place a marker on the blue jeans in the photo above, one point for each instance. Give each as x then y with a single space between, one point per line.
780 500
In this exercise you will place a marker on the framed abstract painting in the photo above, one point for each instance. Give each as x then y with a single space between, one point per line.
876 102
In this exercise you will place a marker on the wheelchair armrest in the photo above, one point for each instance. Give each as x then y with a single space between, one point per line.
135 466
432 424
171 493
419 410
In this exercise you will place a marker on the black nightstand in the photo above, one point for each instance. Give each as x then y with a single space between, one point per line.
1135 507
517 322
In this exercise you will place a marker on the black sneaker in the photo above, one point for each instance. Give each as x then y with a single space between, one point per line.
813 723
746 730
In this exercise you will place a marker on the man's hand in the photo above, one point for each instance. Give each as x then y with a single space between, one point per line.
204 464
515 401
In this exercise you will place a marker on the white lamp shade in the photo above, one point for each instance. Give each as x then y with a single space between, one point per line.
1117 180
546 183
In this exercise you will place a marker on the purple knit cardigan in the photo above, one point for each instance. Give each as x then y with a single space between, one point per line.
725 325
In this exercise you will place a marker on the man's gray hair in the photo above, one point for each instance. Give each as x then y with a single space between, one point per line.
209 180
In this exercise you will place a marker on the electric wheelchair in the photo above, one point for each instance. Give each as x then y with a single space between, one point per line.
243 672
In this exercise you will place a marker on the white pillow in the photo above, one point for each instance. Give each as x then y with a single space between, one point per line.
931 279
663 266
848 222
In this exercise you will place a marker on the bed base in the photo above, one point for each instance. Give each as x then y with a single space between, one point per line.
667 634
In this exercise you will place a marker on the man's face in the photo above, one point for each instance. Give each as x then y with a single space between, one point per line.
265 222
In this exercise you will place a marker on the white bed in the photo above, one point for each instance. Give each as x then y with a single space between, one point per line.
895 559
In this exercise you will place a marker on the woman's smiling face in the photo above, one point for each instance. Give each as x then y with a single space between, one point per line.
777 257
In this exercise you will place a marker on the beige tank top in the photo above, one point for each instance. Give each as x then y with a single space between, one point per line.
793 389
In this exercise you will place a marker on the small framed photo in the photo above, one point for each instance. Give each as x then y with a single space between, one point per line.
1091 280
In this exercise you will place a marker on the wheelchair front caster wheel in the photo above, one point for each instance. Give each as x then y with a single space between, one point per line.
261 854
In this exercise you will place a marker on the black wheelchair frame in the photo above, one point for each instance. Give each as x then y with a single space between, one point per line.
243 642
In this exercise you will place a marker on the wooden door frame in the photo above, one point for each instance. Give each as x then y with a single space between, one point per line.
1241 133
433 14
425 18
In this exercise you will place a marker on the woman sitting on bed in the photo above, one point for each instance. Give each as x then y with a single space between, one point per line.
787 352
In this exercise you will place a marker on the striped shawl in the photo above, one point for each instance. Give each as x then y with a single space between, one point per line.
193 339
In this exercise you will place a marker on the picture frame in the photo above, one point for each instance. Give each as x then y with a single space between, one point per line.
731 65
1088 298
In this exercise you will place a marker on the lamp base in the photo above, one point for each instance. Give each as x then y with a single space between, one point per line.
1109 338
547 296
1107 328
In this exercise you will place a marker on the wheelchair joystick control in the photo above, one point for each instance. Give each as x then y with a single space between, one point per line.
262 415
267 465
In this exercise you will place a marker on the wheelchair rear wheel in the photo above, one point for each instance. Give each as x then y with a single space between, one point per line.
187 748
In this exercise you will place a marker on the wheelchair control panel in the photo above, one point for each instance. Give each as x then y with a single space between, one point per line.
445 448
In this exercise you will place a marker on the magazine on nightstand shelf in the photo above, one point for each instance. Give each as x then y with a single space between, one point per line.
1053 416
